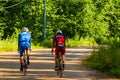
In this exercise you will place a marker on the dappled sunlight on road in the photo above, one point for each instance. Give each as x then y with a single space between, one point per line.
42 61
42 67
9 60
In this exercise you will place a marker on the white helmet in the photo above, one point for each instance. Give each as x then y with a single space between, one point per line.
25 29
59 32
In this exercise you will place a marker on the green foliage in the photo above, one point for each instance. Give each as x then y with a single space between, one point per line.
87 41
9 44
106 59
95 19
46 43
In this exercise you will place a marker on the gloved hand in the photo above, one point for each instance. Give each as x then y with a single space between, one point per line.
52 51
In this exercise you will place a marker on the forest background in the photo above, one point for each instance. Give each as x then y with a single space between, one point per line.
83 22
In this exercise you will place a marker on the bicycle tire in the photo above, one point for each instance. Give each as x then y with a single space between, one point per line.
57 73
25 68
59 70
60 73
24 64
25 72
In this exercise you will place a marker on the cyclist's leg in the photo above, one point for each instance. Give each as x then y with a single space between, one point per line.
21 58
27 54
56 56
63 54
63 57
55 62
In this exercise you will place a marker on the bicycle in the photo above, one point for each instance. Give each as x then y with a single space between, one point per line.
25 65
59 65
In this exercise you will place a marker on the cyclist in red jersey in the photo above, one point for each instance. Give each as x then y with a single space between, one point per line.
58 42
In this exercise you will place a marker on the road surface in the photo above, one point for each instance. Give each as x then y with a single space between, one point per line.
42 66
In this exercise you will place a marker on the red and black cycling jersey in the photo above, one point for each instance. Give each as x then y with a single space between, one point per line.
59 40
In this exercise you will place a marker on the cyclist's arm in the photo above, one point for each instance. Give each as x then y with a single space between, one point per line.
30 42
53 42
18 41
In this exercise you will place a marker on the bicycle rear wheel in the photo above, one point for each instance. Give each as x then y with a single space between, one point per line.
25 68
25 72
60 73
59 70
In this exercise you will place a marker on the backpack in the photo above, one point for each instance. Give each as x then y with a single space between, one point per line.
60 41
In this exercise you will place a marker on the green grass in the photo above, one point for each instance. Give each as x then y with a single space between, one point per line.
11 44
75 42
81 42
106 59
8 45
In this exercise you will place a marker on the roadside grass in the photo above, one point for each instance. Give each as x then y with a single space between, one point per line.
11 44
8 45
81 42
74 42
106 59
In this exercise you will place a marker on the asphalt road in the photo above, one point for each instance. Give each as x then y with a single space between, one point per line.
42 66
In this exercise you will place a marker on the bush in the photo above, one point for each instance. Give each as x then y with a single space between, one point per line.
106 59
46 43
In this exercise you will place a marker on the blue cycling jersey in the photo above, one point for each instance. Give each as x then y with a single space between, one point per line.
24 37
24 40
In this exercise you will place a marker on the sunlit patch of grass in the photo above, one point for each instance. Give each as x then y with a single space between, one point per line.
12 45
81 42
8 45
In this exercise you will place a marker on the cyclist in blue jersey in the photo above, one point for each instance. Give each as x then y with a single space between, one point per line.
24 42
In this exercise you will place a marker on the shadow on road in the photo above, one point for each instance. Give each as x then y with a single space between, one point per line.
42 67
